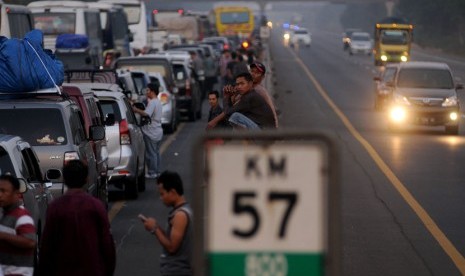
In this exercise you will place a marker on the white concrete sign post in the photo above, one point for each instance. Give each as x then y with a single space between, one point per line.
266 207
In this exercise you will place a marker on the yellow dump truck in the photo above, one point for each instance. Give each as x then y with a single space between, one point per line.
393 39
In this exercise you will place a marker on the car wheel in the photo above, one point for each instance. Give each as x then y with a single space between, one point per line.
452 130
141 180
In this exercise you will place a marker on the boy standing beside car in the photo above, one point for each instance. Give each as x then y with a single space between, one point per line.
17 231
153 131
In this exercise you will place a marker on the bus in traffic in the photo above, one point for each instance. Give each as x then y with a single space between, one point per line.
234 21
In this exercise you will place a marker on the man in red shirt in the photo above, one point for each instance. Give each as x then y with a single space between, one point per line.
76 239
17 231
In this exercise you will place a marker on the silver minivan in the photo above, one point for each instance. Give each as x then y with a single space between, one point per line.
55 128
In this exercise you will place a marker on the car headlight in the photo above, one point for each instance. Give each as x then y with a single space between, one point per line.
451 101
286 36
400 99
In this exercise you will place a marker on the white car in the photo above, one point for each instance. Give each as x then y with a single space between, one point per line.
301 36
360 42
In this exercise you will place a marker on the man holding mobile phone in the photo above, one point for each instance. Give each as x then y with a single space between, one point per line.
177 238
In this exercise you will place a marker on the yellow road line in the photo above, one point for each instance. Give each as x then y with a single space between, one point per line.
118 205
429 223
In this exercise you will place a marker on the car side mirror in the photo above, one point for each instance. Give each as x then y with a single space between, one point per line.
459 86
96 133
140 106
110 119
22 185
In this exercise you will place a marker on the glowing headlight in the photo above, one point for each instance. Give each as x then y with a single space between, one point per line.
397 114
403 58
286 36
400 99
384 58
453 116
451 101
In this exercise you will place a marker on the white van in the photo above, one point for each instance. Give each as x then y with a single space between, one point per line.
15 20
138 22
68 17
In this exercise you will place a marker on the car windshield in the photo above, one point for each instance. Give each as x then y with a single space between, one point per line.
360 38
38 126
394 37
152 68
6 166
425 78
55 23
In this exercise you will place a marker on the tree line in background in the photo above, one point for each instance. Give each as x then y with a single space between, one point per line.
438 23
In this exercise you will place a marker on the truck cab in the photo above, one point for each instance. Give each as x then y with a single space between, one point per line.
393 40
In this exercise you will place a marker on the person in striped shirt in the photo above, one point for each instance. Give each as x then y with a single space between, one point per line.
17 231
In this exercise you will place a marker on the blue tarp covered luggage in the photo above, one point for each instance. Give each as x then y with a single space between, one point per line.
72 41
21 69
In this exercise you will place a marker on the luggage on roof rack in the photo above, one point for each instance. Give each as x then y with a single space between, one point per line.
26 66
72 41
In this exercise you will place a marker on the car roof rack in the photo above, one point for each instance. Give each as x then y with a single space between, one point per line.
55 91
91 75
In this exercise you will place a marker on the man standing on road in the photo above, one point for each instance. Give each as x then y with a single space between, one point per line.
250 112
177 239
17 231
258 71
77 239
153 131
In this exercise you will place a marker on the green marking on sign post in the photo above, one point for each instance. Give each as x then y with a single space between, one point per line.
264 263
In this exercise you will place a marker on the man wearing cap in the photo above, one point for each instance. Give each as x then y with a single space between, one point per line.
251 112
258 71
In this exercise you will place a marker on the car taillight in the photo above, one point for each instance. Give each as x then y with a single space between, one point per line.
124 135
70 155
188 88
226 47
164 97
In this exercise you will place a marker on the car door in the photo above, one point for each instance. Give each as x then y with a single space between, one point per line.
36 182
136 134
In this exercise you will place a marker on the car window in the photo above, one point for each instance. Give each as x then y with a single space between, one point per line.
425 78
20 24
145 67
77 130
55 23
111 107
361 38
389 74
94 112
32 165
179 72
38 126
130 117
6 166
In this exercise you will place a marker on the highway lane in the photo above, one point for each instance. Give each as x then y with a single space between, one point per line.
382 235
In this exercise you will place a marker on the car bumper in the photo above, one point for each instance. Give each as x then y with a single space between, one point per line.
126 168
